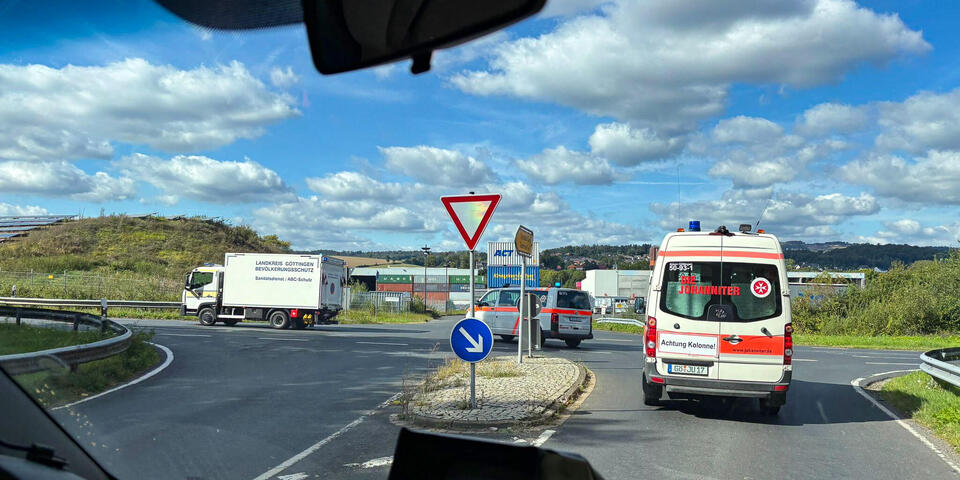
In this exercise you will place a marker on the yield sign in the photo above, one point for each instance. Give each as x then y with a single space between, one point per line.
470 213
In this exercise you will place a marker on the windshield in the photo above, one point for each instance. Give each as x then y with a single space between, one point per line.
689 288
218 263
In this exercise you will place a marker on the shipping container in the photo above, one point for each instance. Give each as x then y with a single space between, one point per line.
393 279
500 275
395 287
504 253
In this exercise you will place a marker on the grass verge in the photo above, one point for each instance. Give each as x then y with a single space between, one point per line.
618 327
367 317
53 388
923 342
27 338
929 403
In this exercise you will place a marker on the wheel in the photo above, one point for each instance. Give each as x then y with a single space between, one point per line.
573 342
508 338
207 316
770 407
299 324
279 319
230 321
651 393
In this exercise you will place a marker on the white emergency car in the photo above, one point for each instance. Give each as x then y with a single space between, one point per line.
718 318
566 313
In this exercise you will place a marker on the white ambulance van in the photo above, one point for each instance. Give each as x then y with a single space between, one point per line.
566 314
718 318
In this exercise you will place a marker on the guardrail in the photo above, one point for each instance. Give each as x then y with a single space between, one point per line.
73 355
622 321
63 302
943 364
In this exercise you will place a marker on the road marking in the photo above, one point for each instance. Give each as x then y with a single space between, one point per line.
284 339
543 438
804 360
293 476
616 340
316 446
183 335
895 417
384 343
165 364
914 364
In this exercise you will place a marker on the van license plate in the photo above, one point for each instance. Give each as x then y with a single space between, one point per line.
687 369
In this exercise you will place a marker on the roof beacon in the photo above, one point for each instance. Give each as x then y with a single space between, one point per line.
556 284
745 228
694 225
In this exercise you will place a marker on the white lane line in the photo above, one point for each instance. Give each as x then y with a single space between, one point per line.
543 438
284 339
182 335
165 364
804 360
294 476
914 364
907 426
316 446
377 462
384 343
614 339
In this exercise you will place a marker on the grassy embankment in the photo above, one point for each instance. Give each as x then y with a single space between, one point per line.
933 405
52 388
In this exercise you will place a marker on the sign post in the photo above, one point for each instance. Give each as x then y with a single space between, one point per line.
523 244
472 341
470 214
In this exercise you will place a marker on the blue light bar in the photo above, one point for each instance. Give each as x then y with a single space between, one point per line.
694 225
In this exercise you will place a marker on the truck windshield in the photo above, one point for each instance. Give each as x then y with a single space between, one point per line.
200 279
690 287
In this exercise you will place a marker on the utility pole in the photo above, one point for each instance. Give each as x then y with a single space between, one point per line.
426 254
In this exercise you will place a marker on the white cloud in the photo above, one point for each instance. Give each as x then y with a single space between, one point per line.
743 129
793 215
355 186
925 121
62 179
437 166
7 209
932 179
827 118
283 78
670 63
559 165
628 146
753 173
911 231
562 8
76 111
202 178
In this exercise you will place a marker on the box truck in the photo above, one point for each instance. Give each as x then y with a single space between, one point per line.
289 291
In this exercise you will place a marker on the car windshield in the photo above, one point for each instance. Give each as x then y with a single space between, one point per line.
217 262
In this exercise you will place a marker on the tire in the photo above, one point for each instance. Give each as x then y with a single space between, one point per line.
573 342
769 407
651 393
207 316
298 324
508 338
279 319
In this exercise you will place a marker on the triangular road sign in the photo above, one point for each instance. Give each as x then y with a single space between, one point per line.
470 213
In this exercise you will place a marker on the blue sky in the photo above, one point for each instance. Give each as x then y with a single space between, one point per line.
592 119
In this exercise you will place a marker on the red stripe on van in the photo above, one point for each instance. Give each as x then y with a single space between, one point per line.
566 312
716 253
755 345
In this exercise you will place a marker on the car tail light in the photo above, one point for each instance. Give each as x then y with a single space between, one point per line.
555 322
294 312
650 337
780 388
657 380
788 344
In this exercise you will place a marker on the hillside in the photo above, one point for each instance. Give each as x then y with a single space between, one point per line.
149 246
856 256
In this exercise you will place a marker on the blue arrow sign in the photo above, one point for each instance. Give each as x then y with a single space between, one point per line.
471 340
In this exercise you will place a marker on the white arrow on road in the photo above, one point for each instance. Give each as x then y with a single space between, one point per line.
477 344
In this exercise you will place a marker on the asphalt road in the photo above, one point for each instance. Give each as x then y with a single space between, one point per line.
251 402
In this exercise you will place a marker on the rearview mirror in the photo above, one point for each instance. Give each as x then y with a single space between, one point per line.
349 35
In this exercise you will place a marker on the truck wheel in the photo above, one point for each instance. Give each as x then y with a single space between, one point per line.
279 319
207 316
573 342
508 338
651 393
230 322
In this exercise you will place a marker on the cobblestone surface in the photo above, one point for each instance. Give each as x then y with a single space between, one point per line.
541 383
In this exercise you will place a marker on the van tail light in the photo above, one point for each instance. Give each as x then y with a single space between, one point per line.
650 337
294 313
788 344
555 322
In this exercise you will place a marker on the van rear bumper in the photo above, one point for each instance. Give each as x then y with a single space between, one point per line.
680 387
567 336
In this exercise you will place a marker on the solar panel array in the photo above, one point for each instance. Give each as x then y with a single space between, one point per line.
14 226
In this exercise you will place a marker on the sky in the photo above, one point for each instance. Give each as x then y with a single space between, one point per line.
599 122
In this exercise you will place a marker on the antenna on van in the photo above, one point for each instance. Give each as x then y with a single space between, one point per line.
678 190
763 211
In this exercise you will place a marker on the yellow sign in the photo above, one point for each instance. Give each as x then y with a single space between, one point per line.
523 241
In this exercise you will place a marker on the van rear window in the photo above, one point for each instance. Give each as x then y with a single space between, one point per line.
573 299
690 287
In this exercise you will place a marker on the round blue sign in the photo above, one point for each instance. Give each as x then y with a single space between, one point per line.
471 340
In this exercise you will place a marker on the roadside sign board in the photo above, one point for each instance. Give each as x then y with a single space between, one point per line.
471 340
534 301
523 241
470 214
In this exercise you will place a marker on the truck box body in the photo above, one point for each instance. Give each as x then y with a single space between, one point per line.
281 281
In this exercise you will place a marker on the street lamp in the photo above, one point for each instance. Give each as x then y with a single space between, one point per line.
426 253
